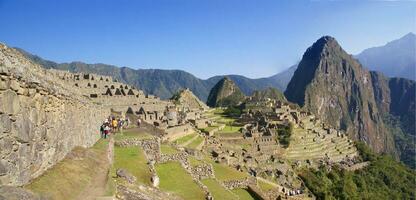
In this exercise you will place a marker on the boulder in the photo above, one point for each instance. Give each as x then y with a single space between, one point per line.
155 180
123 173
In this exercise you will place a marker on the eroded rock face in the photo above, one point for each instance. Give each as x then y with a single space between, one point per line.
41 119
334 86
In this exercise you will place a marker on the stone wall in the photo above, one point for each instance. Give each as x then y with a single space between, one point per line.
41 119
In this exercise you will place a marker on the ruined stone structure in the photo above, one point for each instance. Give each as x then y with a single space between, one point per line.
42 119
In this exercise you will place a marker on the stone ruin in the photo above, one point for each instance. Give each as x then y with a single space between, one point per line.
42 119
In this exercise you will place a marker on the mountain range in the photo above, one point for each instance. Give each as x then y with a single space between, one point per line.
395 59
165 83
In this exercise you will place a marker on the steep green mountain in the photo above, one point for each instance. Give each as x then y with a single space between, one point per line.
395 59
396 100
334 86
165 83
225 93
268 93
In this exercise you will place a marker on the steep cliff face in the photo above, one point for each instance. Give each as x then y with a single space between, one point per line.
335 87
41 119
225 93
395 98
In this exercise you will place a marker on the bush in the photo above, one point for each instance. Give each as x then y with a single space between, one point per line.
383 178
232 111
283 135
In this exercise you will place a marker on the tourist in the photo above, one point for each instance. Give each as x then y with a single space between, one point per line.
114 123
106 130
127 120
139 121
102 129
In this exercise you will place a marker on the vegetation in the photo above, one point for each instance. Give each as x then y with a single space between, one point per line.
283 135
225 173
384 178
244 194
81 171
218 191
128 134
265 186
185 138
404 142
167 149
173 178
194 144
133 160
232 111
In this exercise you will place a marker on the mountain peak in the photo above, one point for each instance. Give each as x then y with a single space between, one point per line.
410 35
225 93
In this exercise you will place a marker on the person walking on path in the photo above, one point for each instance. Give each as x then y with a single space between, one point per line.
102 130
106 131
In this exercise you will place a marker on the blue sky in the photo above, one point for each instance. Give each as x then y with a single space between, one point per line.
212 37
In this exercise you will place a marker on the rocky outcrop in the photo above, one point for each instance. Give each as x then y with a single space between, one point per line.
225 93
42 119
334 86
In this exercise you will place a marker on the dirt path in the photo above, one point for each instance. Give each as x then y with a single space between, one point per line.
97 187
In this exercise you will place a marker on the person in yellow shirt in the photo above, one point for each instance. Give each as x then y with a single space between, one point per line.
114 125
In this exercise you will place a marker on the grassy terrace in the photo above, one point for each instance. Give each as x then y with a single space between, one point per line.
185 138
226 173
167 149
173 178
196 142
81 165
217 191
265 186
133 160
209 128
193 161
243 194
128 134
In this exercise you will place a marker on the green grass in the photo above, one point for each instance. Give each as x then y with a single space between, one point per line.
243 194
193 161
81 169
131 134
209 128
230 129
217 191
265 186
225 173
196 142
184 139
167 149
133 160
173 178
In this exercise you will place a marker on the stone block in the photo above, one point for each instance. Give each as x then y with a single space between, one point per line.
14 85
4 84
10 103
5 123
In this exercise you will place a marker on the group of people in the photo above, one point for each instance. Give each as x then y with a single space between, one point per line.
112 125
